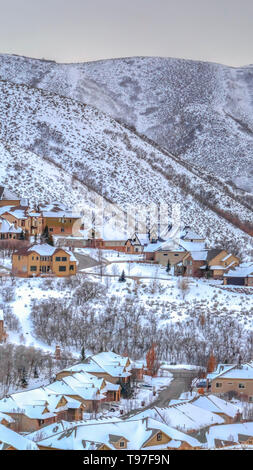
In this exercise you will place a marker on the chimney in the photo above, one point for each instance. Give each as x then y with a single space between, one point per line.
57 353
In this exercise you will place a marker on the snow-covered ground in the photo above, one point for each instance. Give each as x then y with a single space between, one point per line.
165 295
141 270
108 255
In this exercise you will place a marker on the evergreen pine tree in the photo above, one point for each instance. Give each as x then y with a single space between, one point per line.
83 354
168 266
122 277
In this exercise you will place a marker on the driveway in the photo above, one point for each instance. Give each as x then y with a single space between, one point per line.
181 382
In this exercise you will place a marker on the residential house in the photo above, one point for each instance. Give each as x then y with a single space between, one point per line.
111 367
173 250
236 378
218 262
191 264
38 260
84 372
18 217
119 434
137 243
240 275
85 387
9 231
205 263
33 409
60 220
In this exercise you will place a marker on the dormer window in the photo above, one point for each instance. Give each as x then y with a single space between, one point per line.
122 444
159 436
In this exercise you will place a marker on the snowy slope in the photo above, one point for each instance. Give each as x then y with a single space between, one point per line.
69 139
200 111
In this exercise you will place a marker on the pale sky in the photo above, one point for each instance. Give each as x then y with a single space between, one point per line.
83 30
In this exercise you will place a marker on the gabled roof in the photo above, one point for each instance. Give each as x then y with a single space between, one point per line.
137 432
44 250
112 363
244 270
57 209
9 438
215 404
8 227
245 371
183 415
229 433
198 255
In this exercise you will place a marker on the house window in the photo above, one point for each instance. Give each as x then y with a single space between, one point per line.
62 229
241 386
159 436
33 268
122 444
218 385
57 258
64 258
251 399
175 254
71 268
51 229
62 268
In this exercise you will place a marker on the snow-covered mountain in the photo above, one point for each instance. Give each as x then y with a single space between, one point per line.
56 147
202 112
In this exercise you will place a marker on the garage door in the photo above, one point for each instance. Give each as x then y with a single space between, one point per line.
236 281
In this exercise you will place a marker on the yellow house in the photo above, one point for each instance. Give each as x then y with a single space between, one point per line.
43 259
220 261
60 220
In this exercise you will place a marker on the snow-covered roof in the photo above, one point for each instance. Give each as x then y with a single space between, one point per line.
136 433
199 255
11 438
192 246
46 250
243 270
20 212
229 432
57 209
152 247
8 227
112 363
188 234
219 369
182 415
245 371
216 405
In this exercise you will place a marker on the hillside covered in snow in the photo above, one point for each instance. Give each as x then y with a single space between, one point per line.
56 147
199 111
